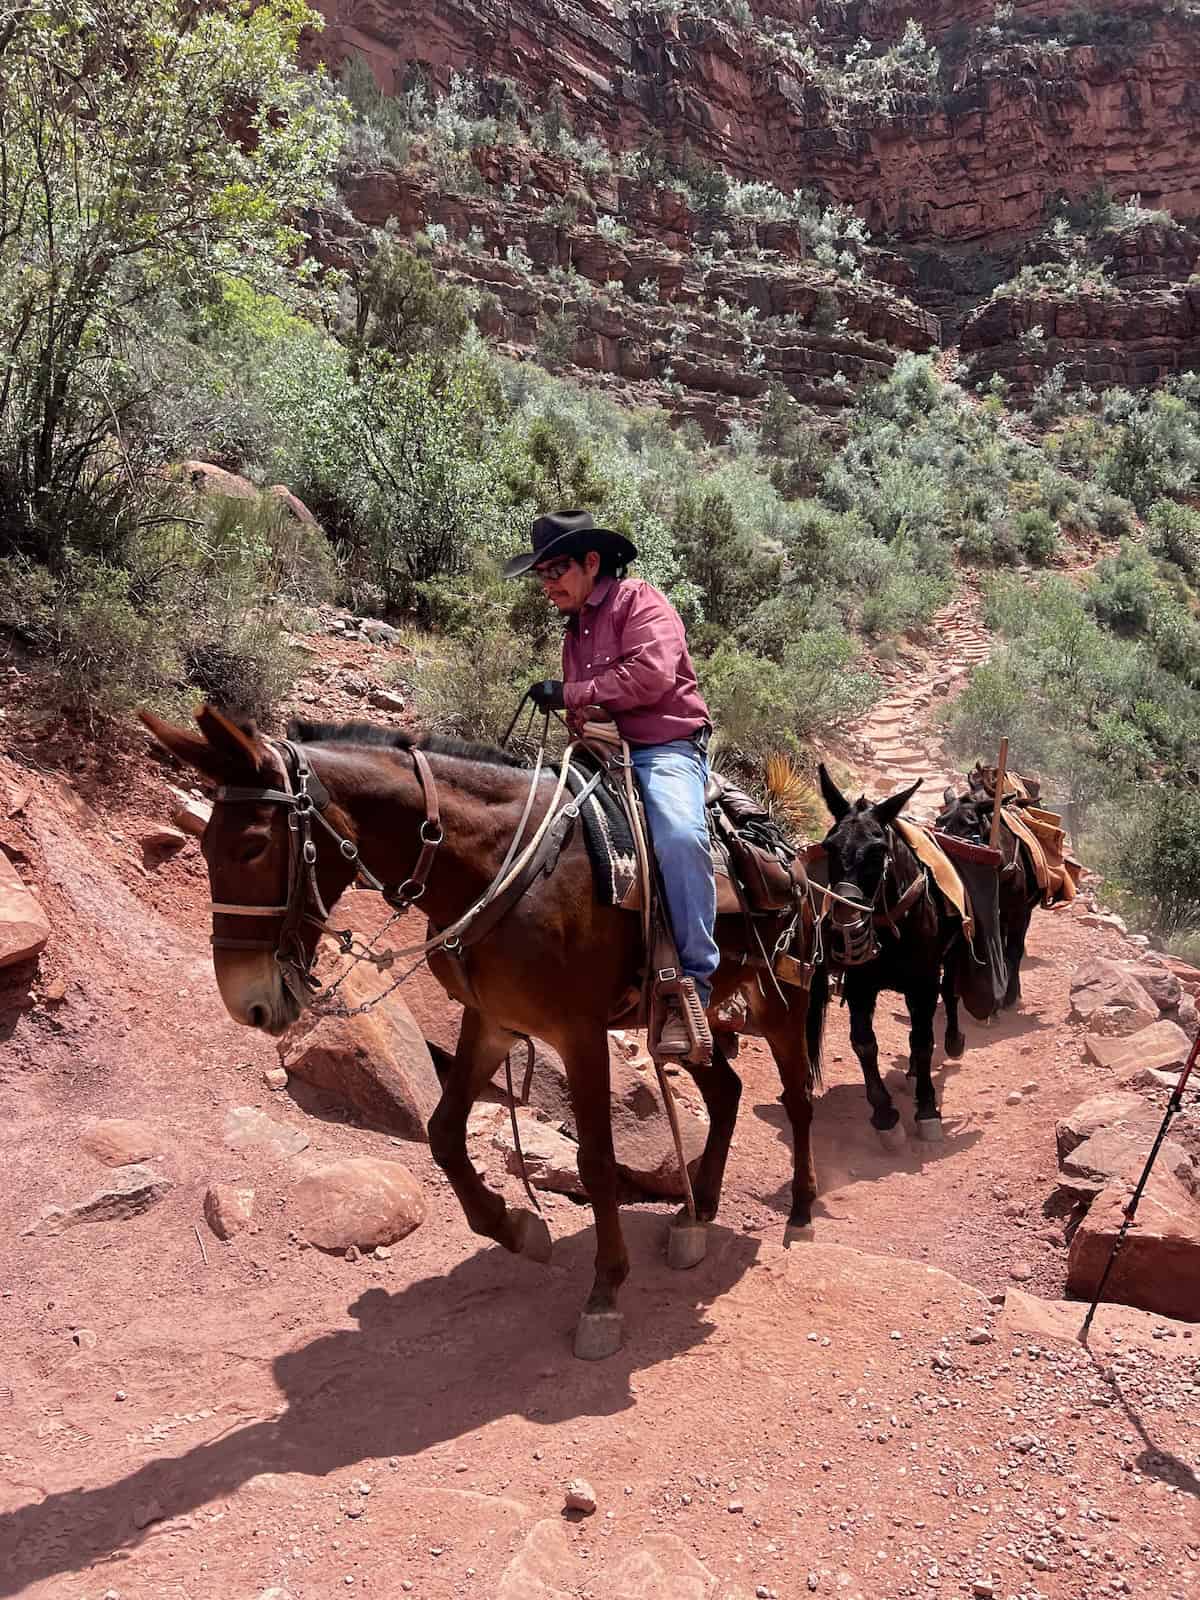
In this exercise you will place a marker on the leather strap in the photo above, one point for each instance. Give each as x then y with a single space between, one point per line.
431 835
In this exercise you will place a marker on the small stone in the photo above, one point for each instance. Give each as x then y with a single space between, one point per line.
228 1209
580 1496
351 1252
983 1589
1030 1087
120 1395
942 1362
980 1336
386 700
275 1078
735 1508
813 1580
1014 1099
163 838
84 1338
1020 1272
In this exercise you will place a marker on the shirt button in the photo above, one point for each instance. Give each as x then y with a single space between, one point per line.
588 666
586 631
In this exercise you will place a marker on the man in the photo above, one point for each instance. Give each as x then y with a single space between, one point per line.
625 651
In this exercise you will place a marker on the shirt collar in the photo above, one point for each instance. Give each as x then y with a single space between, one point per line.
600 592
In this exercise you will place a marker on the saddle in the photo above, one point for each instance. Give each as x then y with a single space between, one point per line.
751 850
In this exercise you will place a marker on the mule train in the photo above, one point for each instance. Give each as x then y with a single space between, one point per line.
527 944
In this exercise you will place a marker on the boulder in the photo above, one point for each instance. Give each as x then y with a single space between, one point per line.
1158 1266
119 1141
292 506
386 700
1163 987
1188 975
357 1201
550 1157
1103 983
641 1132
24 927
1158 1047
160 838
1090 1116
228 1209
1187 1015
1118 1021
204 478
247 1128
376 1065
127 1194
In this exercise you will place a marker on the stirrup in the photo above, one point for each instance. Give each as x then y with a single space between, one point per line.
670 986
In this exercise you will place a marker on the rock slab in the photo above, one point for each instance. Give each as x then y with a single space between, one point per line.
24 926
1158 1266
550 1157
1090 1116
358 1201
248 1128
130 1192
1105 985
1157 1047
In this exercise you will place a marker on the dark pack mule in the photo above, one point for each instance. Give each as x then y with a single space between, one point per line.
556 967
969 817
896 933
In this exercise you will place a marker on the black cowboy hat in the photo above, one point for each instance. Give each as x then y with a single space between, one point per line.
569 533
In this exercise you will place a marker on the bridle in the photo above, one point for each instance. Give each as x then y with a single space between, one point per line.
854 941
307 799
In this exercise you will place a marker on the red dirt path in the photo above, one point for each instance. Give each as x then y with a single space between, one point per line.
775 1422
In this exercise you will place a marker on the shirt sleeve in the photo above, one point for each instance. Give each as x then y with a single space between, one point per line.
651 641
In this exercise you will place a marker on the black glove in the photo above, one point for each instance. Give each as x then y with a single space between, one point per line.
547 695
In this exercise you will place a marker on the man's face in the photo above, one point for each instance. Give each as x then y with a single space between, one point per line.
567 581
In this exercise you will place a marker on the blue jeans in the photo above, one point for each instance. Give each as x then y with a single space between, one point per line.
672 778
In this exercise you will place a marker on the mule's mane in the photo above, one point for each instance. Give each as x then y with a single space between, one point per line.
369 734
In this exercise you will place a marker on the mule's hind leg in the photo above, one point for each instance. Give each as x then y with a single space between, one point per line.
586 1059
922 1004
885 1119
482 1046
785 1033
955 1042
721 1088
1014 952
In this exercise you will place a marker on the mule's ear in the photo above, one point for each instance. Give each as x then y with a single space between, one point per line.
888 810
949 797
220 761
239 747
832 795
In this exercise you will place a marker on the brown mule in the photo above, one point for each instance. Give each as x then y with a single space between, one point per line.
555 967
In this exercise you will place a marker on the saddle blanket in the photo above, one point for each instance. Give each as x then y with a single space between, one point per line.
609 841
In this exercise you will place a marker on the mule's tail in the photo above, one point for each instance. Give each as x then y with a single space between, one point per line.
814 1024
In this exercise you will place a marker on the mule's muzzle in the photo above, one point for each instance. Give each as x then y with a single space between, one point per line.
852 940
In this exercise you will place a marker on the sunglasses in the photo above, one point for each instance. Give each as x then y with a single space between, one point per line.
552 570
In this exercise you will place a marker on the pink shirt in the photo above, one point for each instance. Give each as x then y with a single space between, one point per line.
626 651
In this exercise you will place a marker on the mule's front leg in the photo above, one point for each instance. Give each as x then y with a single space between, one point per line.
785 1033
922 1004
482 1046
599 1332
885 1119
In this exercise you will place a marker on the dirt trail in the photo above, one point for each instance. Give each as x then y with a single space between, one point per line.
265 1420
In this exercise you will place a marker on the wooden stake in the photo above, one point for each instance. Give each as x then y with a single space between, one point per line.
1001 774
200 1242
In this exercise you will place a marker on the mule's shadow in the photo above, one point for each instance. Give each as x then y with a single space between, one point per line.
417 1371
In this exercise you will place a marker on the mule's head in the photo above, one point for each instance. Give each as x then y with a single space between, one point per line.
965 816
246 848
856 849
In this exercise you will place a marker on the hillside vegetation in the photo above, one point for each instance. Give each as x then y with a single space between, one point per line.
162 171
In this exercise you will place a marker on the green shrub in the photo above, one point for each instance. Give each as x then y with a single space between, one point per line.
1175 535
1158 860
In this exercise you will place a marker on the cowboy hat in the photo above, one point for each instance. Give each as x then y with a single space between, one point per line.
569 533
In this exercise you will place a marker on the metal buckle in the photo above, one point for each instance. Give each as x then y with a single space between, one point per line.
349 849
668 974
302 803
310 853
410 891
431 838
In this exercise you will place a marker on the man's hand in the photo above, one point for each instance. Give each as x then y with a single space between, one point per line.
547 695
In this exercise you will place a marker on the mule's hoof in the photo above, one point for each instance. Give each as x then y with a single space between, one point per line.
955 1045
930 1129
687 1245
533 1236
797 1233
598 1335
893 1138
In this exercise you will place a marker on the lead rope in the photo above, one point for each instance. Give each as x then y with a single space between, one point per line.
512 1112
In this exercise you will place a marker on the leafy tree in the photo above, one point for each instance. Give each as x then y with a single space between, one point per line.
401 307
150 148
